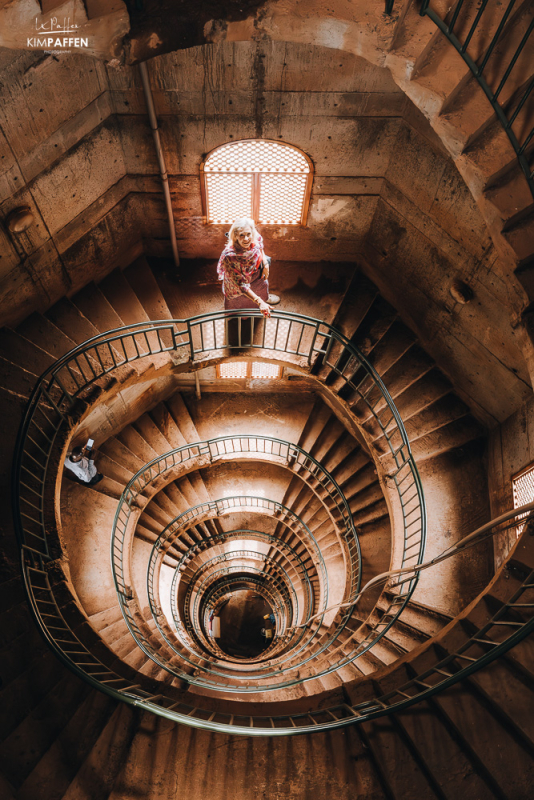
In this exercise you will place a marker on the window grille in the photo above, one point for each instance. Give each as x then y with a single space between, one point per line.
523 486
267 181
257 370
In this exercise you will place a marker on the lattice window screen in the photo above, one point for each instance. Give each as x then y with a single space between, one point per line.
233 369
267 181
229 196
259 370
249 369
523 486
281 198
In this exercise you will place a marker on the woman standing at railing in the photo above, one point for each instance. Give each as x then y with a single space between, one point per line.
244 270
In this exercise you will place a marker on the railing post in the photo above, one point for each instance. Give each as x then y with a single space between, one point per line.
190 337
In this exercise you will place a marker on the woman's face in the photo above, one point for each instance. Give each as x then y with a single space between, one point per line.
244 237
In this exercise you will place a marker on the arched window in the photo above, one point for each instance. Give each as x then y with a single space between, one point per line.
267 181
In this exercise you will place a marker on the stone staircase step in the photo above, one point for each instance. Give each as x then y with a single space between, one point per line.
407 370
182 417
25 746
489 740
356 304
97 775
175 494
163 419
510 194
412 35
112 470
66 316
39 330
450 436
53 774
94 306
378 738
432 386
471 112
423 732
141 279
120 295
520 235
151 434
359 481
328 439
134 441
103 619
20 652
422 618
121 455
18 350
19 380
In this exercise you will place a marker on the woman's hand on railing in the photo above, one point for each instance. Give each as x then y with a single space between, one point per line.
264 308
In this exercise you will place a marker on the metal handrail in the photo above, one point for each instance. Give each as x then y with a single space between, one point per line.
222 538
291 456
295 338
445 671
250 555
192 516
290 521
227 585
278 589
508 113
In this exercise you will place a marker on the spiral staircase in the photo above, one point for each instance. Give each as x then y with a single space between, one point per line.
302 519
235 501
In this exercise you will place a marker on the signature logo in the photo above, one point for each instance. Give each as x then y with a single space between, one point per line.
57 34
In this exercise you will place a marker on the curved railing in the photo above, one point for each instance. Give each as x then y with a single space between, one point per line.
208 509
288 552
61 394
256 446
469 643
289 455
250 555
227 585
461 23
279 592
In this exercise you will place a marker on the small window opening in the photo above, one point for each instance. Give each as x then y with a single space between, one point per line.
523 488
267 181
258 370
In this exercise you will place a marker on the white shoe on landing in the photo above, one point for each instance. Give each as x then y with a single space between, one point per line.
273 299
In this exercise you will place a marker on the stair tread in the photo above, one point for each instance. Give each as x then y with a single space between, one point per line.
141 279
39 330
68 318
60 763
94 306
21 351
122 298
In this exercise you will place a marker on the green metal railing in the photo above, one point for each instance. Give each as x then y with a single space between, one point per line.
289 455
474 645
479 33
227 585
211 509
289 553
62 390
270 568
276 588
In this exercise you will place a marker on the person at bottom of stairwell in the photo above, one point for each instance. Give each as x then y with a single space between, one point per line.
81 462
244 270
